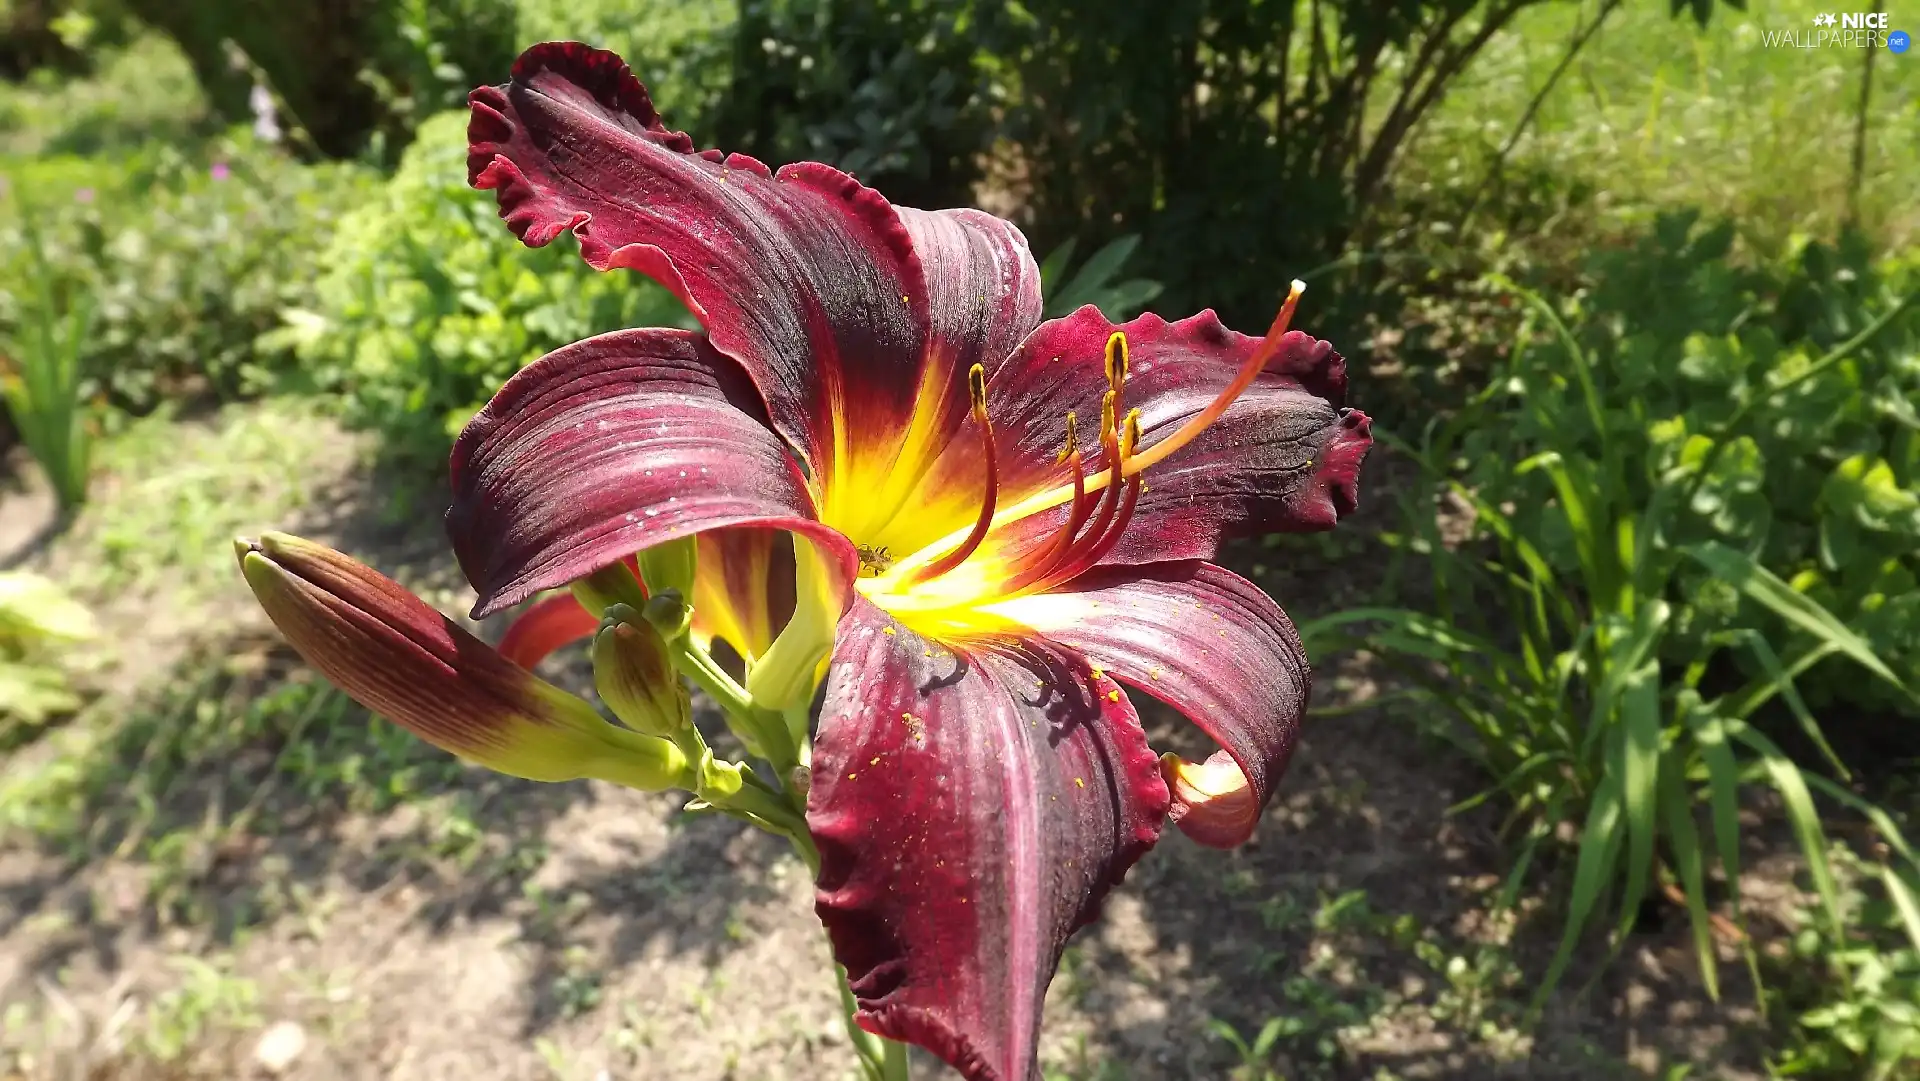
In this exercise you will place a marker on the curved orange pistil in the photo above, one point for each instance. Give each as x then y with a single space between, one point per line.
1054 554
977 389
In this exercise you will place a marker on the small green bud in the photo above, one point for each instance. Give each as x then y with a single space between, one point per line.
670 566
637 681
669 612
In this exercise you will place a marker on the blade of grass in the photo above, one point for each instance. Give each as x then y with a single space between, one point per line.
1683 836
1903 902
1639 767
1723 789
1599 852
1780 681
1874 813
1804 820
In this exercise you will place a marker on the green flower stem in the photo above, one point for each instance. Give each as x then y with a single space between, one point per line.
894 1066
774 811
782 738
865 1044
764 733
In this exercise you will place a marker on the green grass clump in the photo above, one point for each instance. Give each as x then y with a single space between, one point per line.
1657 113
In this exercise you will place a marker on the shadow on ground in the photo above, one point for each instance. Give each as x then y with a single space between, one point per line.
228 843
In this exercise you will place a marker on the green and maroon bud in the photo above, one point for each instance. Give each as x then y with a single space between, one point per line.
393 653
637 681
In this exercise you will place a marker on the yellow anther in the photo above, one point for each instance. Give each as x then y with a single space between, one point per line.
1073 438
977 389
1106 417
1131 439
1116 361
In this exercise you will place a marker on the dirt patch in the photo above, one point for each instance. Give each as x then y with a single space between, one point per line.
223 852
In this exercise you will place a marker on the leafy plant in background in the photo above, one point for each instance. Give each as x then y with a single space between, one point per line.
893 91
1093 282
1604 629
426 305
188 256
35 619
1241 140
345 73
1858 1014
40 375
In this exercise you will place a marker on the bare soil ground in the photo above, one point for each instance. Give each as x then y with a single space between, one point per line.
223 870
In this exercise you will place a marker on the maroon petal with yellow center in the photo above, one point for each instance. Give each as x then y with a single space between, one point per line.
973 806
985 292
743 589
805 277
1208 643
608 446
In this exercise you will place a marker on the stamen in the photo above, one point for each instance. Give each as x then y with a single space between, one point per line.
1117 361
1106 417
1057 552
1109 504
1072 446
1102 543
977 389
1106 530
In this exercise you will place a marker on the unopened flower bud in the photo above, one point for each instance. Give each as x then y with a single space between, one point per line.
393 653
637 681
669 612
1212 801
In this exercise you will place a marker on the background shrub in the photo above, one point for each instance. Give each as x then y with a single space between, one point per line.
188 255
426 303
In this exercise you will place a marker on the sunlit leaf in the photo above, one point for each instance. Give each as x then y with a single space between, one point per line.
1765 587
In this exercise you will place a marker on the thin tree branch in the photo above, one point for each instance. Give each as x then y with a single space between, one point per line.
1579 41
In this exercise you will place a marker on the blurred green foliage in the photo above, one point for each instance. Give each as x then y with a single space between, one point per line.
187 255
426 303
40 370
35 617
1819 485
894 91
353 76
1853 1003
140 92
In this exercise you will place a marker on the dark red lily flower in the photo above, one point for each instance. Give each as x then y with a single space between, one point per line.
1005 516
